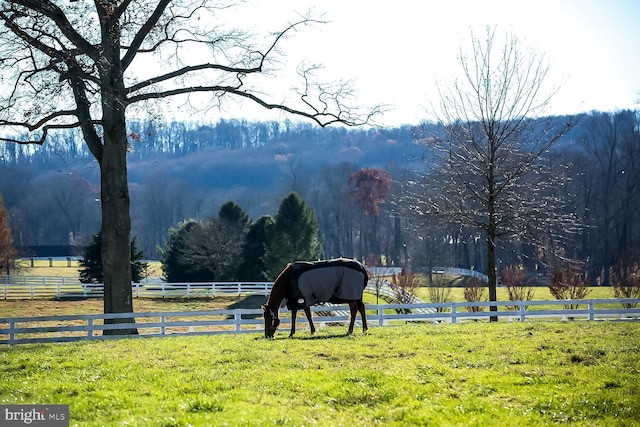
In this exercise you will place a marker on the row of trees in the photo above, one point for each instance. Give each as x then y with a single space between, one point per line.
231 247
594 183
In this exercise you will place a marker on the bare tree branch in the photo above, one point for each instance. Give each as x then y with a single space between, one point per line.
143 32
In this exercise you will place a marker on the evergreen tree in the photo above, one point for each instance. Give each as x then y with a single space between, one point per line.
235 224
292 237
91 264
252 267
234 214
7 252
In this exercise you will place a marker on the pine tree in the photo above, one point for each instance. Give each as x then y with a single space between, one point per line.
7 252
252 267
234 214
292 237
91 264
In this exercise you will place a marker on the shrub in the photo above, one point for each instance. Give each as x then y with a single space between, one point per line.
625 280
405 286
570 283
517 284
474 291
438 292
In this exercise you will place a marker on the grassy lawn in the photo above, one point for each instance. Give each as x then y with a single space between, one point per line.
61 268
512 374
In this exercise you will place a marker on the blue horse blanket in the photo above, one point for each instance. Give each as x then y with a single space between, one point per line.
337 280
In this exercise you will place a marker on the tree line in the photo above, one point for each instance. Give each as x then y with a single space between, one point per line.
595 169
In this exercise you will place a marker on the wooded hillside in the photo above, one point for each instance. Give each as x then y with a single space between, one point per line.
186 170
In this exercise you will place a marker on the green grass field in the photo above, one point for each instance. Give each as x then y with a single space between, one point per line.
62 268
506 374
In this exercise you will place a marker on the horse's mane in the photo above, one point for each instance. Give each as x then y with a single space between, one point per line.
280 285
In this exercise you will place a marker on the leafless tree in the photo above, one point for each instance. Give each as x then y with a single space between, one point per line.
216 247
86 65
490 170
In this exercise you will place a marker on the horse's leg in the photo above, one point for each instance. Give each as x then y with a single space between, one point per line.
307 312
294 313
363 315
353 309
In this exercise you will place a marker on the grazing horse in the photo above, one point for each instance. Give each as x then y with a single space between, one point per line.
304 284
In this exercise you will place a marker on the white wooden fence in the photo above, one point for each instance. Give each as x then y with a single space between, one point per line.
460 272
21 330
32 287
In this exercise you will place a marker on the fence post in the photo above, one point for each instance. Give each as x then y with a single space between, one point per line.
12 334
522 312
592 313
163 322
380 317
90 327
236 319
188 290
453 312
239 288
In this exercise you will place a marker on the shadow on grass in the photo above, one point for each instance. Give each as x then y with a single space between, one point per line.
249 302
323 336
285 337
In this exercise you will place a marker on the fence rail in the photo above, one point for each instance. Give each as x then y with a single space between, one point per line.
21 330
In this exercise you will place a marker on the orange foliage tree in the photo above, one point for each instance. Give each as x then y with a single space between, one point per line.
369 188
7 252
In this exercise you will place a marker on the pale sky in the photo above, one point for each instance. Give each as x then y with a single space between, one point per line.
397 50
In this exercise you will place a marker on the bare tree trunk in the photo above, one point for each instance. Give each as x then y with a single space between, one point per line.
491 272
116 216
116 228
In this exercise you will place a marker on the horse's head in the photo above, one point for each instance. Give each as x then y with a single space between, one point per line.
275 298
271 322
